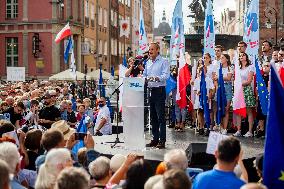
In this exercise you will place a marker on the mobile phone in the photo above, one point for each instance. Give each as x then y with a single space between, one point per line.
80 136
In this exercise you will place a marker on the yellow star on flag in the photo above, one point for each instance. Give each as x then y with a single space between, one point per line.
282 176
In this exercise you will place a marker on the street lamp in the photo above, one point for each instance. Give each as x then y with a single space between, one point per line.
268 13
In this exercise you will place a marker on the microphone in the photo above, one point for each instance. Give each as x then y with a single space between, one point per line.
141 60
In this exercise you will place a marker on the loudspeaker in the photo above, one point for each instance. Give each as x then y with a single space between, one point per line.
198 158
114 130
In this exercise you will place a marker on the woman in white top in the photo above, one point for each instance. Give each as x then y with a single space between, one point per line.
195 98
246 72
227 77
211 73
210 88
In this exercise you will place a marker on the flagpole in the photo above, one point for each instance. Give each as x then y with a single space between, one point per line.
127 26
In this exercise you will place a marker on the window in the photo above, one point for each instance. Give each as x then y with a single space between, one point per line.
11 8
111 17
100 47
92 15
87 13
105 18
100 16
119 47
115 19
87 9
283 12
105 48
115 47
12 56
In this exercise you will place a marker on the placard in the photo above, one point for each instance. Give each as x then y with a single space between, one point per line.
213 141
135 84
15 73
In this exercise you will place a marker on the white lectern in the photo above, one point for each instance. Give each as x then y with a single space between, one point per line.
133 111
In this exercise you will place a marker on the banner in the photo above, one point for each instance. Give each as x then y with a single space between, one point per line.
251 30
209 30
143 44
124 28
177 33
15 73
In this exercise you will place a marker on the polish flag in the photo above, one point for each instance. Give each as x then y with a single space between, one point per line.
65 32
239 105
183 79
281 73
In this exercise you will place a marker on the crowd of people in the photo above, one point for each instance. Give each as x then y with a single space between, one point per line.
39 121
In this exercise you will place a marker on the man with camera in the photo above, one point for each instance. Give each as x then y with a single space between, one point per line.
157 71
135 68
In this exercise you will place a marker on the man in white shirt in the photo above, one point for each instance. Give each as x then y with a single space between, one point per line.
218 52
103 122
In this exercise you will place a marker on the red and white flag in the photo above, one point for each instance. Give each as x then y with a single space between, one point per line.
65 32
239 104
183 79
281 72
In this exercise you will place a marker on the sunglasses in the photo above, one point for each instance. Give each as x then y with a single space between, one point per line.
101 102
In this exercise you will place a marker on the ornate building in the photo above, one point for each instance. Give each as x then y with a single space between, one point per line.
160 32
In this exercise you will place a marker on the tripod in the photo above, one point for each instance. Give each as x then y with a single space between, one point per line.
117 112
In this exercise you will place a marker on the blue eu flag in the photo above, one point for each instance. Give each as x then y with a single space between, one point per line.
101 86
204 99
171 84
261 89
221 98
273 165
82 128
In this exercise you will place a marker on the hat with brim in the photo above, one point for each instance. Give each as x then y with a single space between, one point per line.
64 128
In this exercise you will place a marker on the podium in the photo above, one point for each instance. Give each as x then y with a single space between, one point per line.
133 112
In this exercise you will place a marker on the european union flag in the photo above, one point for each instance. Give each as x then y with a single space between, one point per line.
82 128
171 84
204 98
261 89
273 165
112 70
101 84
221 98
67 50
124 61
74 104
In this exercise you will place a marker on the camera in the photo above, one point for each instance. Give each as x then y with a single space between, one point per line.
139 60
80 136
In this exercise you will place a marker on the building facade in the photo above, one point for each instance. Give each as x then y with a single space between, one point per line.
28 29
27 33
269 10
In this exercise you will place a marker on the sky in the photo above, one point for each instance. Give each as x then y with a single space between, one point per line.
168 5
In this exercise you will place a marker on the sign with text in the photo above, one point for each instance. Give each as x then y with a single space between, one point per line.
134 83
213 141
85 48
15 73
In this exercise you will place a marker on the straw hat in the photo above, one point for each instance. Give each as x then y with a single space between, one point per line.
63 127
